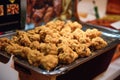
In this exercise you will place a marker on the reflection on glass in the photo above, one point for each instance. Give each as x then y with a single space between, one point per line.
12 9
1 10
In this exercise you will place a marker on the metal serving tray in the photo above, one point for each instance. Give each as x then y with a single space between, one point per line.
110 36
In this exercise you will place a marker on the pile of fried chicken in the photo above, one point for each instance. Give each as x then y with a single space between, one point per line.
57 42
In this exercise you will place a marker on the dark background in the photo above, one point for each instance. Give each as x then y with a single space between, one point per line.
9 18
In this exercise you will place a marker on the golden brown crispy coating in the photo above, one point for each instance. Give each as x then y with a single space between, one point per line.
45 30
43 48
49 62
25 52
92 33
34 37
81 37
53 49
66 32
24 40
52 38
85 40
66 54
31 32
48 48
73 43
34 57
14 39
63 40
4 39
73 25
14 49
35 45
78 33
58 25
82 50
98 43
21 38
66 29
67 58
37 29
19 33
3 43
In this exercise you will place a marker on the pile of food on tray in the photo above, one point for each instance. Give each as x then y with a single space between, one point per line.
57 42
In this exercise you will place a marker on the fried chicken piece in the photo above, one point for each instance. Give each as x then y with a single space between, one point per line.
73 43
32 32
58 25
81 37
35 45
3 43
49 62
85 40
14 49
19 33
52 49
67 58
34 57
24 40
92 33
67 41
66 54
48 35
63 40
73 25
78 33
51 25
38 29
66 32
98 43
42 37
4 39
48 48
53 38
34 37
45 30
14 39
82 50
25 52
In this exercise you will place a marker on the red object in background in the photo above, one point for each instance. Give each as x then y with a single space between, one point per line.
113 7
1 33
117 53
101 22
